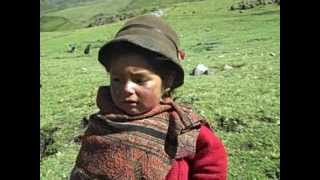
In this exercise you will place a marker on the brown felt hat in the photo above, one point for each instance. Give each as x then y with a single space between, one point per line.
153 34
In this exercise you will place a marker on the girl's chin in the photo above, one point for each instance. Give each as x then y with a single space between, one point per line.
131 110
134 111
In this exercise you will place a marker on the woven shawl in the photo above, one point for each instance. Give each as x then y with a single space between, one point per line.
118 146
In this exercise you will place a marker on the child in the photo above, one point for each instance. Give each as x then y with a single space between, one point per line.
139 132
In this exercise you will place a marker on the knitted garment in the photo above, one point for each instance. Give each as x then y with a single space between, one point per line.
119 146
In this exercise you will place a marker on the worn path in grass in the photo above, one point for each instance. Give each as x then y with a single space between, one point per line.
242 104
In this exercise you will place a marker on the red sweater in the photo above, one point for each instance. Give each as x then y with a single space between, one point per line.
210 161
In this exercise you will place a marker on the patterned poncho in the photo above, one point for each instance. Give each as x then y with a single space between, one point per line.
160 144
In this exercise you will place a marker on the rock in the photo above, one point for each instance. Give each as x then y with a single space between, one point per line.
227 67
247 145
72 48
84 69
158 13
208 48
200 69
272 54
210 72
87 49
234 7
248 4
275 155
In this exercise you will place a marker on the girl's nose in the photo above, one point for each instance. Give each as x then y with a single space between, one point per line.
129 87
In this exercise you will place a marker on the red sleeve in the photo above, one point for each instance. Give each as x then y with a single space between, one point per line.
210 161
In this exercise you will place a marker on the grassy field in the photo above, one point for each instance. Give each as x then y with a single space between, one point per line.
242 104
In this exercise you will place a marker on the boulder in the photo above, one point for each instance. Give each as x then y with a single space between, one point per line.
87 49
227 67
248 4
158 13
200 69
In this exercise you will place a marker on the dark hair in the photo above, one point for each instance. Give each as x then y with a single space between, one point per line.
159 63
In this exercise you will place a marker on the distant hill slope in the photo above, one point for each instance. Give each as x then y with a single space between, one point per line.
55 5
85 13
81 14
56 23
156 3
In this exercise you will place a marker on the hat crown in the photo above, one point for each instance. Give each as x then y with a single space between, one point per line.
156 23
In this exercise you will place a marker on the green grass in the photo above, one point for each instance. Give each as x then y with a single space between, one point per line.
242 104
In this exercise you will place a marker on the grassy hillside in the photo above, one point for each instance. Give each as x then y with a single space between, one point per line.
82 14
136 4
56 23
56 5
242 104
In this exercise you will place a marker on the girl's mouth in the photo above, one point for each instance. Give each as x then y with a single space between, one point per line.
130 102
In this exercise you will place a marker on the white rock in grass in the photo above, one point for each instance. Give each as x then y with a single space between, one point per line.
84 69
158 13
227 67
200 69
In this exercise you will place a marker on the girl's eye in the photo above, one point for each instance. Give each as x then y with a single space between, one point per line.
140 81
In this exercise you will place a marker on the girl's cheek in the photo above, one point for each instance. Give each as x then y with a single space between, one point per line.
149 99
115 90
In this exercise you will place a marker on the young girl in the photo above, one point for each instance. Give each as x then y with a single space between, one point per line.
140 132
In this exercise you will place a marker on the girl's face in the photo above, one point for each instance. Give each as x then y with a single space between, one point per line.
135 87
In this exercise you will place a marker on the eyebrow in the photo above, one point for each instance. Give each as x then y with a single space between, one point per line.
135 73
139 72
